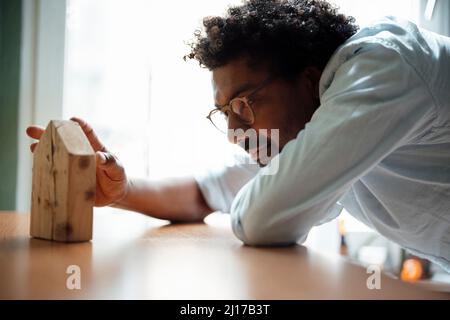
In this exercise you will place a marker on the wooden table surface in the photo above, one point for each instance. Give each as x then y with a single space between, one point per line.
133 256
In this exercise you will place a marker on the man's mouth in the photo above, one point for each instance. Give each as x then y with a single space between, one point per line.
260 153
250 149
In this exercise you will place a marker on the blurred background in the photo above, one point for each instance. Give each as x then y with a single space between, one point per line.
119 65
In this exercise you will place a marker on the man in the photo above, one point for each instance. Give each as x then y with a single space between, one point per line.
363 121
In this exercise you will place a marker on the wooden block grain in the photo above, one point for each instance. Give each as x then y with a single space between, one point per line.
64 180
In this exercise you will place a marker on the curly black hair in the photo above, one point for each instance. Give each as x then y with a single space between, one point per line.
288 34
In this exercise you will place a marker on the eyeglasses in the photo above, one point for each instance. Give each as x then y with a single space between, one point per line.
239 107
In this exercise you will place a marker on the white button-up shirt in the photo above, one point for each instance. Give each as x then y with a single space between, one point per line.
378 145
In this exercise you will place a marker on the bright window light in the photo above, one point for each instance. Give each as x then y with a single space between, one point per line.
367 11
125 74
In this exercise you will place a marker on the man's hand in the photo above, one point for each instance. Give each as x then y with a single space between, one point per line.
112 182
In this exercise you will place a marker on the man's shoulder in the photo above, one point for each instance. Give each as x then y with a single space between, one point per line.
392 33
387 32
387 42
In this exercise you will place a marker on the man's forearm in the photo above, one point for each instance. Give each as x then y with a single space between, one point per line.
172 199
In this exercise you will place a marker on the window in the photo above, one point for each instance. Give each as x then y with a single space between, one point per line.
125 74
366 11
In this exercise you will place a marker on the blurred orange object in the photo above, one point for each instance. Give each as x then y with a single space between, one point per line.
412 270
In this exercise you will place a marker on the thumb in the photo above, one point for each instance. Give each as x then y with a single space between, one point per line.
110 165
100 157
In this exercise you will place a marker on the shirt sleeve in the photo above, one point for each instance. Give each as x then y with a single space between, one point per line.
375 103
220 186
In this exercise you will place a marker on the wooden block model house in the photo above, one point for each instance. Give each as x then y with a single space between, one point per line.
63 189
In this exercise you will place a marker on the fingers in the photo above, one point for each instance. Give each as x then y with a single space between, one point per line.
100 158
110 166
111 179
90 134
35 132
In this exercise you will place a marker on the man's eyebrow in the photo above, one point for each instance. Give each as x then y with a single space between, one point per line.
244 87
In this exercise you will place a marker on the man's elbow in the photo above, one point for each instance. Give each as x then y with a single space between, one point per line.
254 231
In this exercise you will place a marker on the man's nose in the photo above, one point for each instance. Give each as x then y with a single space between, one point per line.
236 130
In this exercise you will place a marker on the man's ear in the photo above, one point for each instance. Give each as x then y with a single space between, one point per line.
312 76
